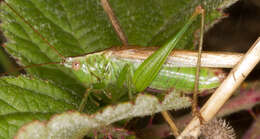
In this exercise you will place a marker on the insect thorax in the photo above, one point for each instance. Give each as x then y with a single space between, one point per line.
94 68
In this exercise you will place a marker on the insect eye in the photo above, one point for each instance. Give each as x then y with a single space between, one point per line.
76 65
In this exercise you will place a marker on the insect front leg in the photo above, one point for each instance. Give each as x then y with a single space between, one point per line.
91 95
126 78
102 94
84 99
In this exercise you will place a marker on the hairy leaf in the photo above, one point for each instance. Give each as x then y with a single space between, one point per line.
74 125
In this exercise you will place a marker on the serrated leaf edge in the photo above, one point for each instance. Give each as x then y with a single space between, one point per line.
73 124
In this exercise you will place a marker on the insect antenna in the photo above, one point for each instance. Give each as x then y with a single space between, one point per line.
34 30
30 66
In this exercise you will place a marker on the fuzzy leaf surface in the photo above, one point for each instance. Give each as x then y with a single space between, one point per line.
73 125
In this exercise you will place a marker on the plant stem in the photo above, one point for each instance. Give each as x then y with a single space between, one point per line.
169 120
107 8
225 90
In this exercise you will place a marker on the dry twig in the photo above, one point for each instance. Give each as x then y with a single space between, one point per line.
225 90
169 120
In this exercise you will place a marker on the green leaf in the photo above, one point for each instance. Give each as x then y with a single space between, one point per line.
23 99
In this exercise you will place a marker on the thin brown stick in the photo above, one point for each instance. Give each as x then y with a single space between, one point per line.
169 120
225 90
107 8
196 84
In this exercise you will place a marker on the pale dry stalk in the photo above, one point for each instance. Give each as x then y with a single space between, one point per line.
225 90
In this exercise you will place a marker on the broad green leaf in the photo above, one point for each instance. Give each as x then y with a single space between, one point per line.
77 27
24 99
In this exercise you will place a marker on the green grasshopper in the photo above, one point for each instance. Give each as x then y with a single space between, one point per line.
138 77
98 70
